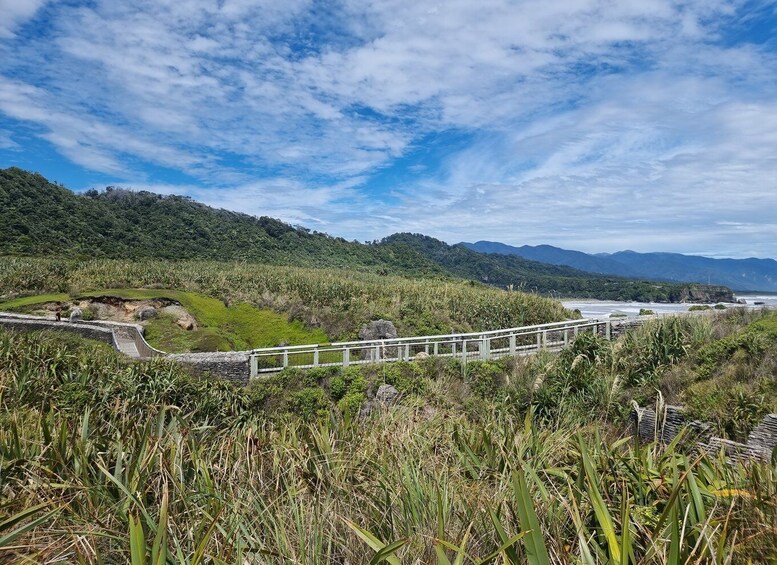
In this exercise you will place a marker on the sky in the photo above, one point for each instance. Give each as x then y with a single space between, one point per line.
596 125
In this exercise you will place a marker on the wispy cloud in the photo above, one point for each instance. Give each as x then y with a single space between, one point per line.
15 13
590 124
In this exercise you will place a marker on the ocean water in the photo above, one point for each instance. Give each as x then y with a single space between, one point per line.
603 308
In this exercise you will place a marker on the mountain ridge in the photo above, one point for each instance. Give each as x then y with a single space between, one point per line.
748 274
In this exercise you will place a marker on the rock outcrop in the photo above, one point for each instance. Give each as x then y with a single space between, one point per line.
378 329
146 313
386 394
670 421
707 294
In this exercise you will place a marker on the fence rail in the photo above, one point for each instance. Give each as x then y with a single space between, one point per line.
468 346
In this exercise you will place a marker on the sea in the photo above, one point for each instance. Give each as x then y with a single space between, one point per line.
603 308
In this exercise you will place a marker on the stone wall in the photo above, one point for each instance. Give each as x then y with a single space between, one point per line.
233 366
26 323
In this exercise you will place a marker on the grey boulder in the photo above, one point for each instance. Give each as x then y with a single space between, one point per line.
386 394
146 313
378 329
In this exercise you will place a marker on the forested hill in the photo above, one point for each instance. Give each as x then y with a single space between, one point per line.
504 270
41 218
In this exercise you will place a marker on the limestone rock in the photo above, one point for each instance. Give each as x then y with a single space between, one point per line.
76 315
187 322
378 329
387 394
146 313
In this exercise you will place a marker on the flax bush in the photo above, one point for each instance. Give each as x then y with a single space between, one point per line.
103 460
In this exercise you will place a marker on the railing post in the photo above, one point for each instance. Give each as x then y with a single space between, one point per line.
315 357
566 337
539 340
436 348
544 338
254 366
407 351
464 349
608 330
426 348
512 344
285 358
453 349
346 357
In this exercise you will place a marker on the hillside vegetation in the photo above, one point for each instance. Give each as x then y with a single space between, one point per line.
104 460
38 218
337 301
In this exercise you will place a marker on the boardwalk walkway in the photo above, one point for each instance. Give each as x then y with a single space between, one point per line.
245 365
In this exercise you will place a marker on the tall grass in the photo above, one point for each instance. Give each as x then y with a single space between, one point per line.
338 300
105 461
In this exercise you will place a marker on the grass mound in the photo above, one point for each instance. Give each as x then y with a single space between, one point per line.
236 327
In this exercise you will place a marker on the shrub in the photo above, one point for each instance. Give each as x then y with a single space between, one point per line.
485 378
646 312
406 376
319 375
309 402
351 404
351 381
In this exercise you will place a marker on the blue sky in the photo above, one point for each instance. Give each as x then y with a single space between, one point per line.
596 125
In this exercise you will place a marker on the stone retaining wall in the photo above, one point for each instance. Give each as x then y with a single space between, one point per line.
88 331
233 366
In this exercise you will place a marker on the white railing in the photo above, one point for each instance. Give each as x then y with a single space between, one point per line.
468 346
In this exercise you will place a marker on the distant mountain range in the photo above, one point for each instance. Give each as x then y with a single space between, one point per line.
41 218
738 274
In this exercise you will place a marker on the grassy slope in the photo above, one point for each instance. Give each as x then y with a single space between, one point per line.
339 301
220 328
730 381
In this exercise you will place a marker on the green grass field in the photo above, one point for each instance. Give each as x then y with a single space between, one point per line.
220 328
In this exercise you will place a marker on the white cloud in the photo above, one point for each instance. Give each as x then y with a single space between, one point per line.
15 13
593 124
6 141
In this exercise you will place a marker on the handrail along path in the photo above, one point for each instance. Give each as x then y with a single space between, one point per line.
524 340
